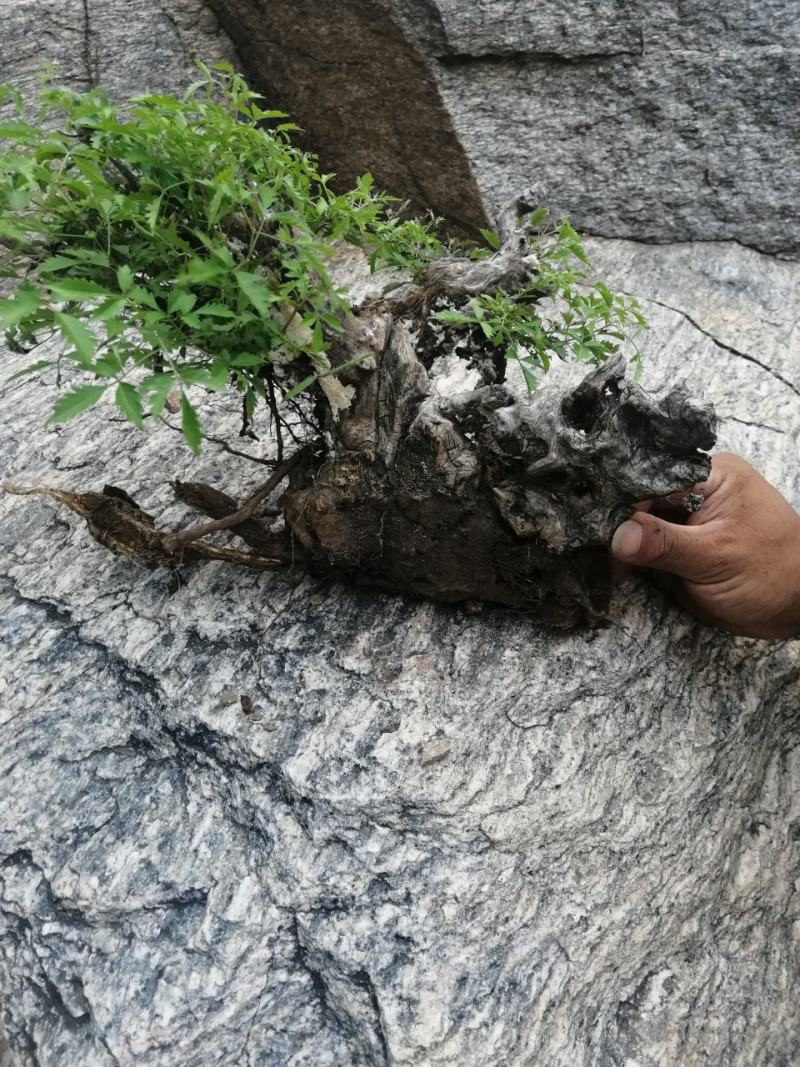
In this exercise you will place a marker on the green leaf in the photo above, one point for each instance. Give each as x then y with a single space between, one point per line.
190 425
491 238
78 289
219 311
300 387
333 322
128 402
200 270
57 263
606 294
181 302
74 331
455 317
317 340
531 380
124 278
109 310
156 388
18 131
89 255
76 402
144 296
108 366
214 377
151 214
247 359
256 292
25 301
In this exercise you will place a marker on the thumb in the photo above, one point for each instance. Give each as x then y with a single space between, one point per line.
646 541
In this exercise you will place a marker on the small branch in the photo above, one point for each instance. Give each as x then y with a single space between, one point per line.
131 180
218 505
276 418
194 533
223 445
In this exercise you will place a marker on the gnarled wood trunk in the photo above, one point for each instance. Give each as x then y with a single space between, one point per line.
481 495
437 477
443 480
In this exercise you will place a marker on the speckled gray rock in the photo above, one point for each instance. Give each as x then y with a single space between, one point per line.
141 46
136 47
439 838
647 120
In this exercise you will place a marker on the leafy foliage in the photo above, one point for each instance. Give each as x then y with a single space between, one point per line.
586 321
183 237
183 242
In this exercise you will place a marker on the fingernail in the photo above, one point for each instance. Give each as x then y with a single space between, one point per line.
627 540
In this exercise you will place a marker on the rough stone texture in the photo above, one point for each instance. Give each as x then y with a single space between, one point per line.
364 94
660 121
141 46
440 838
638 119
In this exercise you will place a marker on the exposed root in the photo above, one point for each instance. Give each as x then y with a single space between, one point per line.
175 541
116 521
254 532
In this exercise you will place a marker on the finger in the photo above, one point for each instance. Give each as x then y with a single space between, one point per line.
646 541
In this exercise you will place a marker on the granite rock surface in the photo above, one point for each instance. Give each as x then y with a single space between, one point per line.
137 47
140 46
659 121
425 836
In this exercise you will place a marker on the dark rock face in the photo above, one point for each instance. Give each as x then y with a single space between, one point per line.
365 95
643 120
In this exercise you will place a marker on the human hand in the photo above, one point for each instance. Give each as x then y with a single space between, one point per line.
736 562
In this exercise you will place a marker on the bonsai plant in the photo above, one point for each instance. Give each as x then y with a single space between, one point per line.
183 245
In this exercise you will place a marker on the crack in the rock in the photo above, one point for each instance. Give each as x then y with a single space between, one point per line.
89 60
790 254
588 59
360 979
720 344
147 683
173 23
747 422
